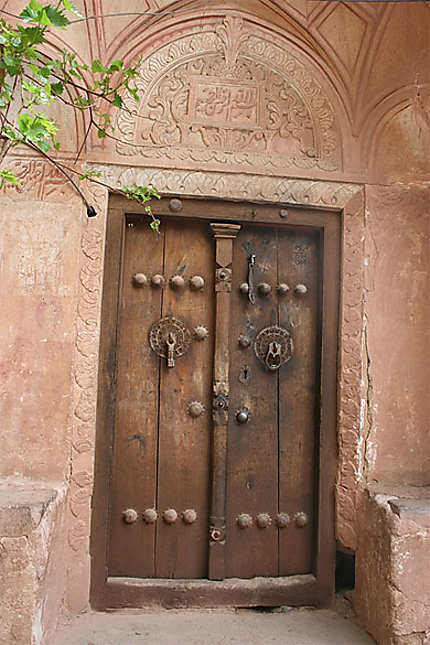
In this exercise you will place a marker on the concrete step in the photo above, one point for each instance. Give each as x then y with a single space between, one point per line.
284 626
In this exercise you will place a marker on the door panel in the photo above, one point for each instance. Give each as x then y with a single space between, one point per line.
162 449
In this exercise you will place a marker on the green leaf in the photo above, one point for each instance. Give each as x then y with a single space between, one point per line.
101 133
116 66
89 174
29 15
56 17
155 225
97 67
117 100
67 5
35 5
7 176
57 88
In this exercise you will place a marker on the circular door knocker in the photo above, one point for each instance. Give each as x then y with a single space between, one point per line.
169 338
274 347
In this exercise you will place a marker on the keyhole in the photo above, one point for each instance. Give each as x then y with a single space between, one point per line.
244 374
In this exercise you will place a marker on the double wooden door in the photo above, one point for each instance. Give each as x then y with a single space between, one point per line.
212 432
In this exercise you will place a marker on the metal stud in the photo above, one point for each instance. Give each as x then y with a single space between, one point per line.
264 289
301 289
189 516
140 279
244 521
301 519
282 520
195 409
177 282
170 516
283 213
175 205
129 515
244 341
244 288
263 520
150 515
200 332
197 282
242 415
283 288
157 280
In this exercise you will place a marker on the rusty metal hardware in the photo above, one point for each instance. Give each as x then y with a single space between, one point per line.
301 289
263 520
264 289
217 529
177 282
129 515
251 266
283 288
140 280
282 520
195 409
244 341
244 288
170 516
169 338
157 280
150 515
197 282
244 521
273 346
244 374
242 415
301 519
189 516
200 332
175 205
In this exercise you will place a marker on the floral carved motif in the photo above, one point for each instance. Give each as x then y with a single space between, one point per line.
231 95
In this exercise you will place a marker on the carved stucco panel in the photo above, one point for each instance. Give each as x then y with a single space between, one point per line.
234 94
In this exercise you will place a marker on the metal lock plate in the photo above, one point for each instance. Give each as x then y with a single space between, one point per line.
273 346
169 338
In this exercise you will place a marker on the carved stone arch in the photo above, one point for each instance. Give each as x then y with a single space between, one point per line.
232 95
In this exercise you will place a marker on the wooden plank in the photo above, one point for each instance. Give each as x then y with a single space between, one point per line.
183 461
224 235
269 592
252 484
131 549
298 394
106 405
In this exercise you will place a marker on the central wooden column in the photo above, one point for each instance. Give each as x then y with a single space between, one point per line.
224 235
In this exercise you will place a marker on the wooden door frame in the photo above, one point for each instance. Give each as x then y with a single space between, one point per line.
311 589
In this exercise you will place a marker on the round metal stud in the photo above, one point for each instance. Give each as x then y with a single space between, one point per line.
197 282
301 519
129 515
177 282
150 515
244 288
301 289
283 213
263 520
200 332
264 289
283 288
157 280
244 341
242 416
195 409
282 520
244 521
140 279
170 516
175 205
189 516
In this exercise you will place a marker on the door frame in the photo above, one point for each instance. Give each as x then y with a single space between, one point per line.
310 589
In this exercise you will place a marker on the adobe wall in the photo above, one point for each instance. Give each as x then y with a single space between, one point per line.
347 127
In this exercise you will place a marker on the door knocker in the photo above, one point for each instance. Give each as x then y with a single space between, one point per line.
274 347
169 338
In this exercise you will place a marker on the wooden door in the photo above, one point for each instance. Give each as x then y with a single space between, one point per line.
210 470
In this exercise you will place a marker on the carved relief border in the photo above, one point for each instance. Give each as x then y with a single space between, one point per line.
345 197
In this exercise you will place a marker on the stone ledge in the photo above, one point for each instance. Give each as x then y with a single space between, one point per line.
23 503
